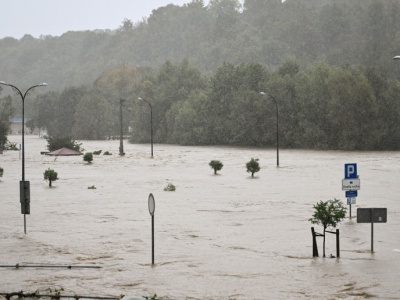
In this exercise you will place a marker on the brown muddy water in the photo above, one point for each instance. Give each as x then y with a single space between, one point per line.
224 236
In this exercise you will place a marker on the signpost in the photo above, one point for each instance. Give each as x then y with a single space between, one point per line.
350 184
152 207
372 215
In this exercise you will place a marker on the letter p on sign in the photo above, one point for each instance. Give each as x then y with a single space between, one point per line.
350 171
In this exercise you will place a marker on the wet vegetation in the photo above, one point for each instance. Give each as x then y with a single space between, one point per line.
328 214
50 175
216 165
328 64
253 166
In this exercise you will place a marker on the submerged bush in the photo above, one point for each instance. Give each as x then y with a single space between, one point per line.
216 165
50 175
88 157
170 187
253 166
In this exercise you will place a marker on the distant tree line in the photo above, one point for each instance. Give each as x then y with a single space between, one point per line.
320 107
266 32
326 63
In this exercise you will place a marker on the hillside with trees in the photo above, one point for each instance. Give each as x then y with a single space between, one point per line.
328 64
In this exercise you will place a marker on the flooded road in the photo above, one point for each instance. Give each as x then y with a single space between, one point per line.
224 236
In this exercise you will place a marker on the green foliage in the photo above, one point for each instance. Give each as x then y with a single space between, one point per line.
107 153
1 172
11 146
216 165
170 187
97 152
154 297
91 187
253 166
50 175
58 142
328 214
88 157
5 114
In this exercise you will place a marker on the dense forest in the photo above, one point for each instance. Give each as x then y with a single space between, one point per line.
325 65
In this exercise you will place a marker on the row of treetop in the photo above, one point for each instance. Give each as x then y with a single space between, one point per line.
320 107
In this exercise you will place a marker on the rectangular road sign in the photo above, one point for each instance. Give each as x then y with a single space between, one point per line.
351 200
351 194
350 184
371 215
350 171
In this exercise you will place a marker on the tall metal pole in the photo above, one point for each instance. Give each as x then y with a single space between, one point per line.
151 124
23 196
121 136
152 239
277 127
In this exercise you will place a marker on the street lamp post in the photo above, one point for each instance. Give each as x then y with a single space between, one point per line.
24 186
151 124
121 136
277 127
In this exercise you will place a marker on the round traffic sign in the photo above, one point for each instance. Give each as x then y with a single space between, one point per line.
152 204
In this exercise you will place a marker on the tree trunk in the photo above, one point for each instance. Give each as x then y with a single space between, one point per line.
252 174
49 183
215 171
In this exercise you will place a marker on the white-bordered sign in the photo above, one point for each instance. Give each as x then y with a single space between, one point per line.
350 184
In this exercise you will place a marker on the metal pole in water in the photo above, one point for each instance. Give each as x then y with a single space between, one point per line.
372 231
152 239
337 243
350 211
152 207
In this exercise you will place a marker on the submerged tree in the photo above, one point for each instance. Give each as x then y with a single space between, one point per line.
328 214
50 175
88 157
253 166
57 142
216 165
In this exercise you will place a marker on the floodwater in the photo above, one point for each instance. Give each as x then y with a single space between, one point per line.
225 236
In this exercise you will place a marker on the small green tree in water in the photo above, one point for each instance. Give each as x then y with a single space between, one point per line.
50 175
216 165
88 157
328 214
253 166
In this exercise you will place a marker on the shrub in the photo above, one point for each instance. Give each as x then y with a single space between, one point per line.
107 153
88 157
216 165
50 175
253 166
170 187
328 214
91 187
1 172
55 143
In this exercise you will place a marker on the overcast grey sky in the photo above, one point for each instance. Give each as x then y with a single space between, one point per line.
55 17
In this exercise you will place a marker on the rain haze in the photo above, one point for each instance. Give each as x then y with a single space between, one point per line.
209 133
48 17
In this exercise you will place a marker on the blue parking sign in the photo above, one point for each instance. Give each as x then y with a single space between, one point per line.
350 171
